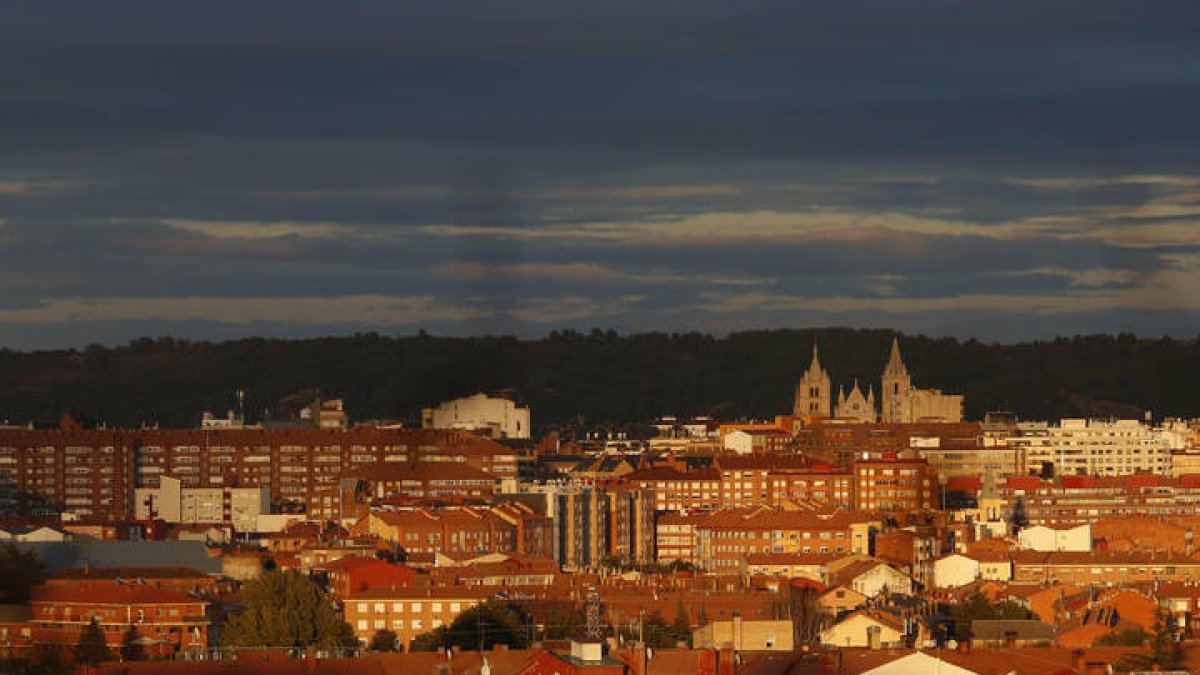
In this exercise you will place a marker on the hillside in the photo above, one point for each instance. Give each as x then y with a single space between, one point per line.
599 377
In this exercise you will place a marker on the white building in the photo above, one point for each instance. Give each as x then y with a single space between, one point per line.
1095 447
173 503
955 570
497 417
1047 539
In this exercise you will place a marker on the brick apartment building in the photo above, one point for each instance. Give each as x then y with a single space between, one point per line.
163 622
426 481
465 532
744 482
1104 567
892 484
1073 500
94 473
356 574
725 538
840 444
409 612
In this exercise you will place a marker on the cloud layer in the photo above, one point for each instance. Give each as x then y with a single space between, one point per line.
999 170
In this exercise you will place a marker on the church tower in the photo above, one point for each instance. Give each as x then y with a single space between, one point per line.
896 387
814 392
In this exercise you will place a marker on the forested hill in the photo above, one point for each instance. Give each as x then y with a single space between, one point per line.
598 377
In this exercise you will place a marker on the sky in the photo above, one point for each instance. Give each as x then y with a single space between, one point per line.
1001 170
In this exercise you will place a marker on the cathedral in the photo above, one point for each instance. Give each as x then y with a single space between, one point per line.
899 401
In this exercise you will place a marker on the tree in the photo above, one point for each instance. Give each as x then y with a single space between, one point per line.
383 640
131 648
808 617
1130 637
1019 519
433 641
286 609
1164 650
1165 653
93 647
681 628
19 572
563 622
656 632
483 626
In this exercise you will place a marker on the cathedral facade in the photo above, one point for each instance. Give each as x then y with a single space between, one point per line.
899 401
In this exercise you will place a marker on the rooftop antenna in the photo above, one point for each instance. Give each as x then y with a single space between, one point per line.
241 398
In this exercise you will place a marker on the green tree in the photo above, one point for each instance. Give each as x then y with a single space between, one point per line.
433 641
383 640
1019 520
657 632
681 628
92 648
19 572
131 648
286 609
1130 637
563 622
483 626
1164 649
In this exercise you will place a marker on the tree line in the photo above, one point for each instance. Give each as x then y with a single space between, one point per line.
573 379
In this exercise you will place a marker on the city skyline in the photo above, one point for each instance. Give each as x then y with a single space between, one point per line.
1006 172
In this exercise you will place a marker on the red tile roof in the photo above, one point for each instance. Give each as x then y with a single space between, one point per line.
109 595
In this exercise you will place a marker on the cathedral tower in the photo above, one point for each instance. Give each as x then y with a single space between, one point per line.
896 386
814 392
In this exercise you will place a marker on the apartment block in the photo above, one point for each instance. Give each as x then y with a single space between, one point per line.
408 612
726 538
170 621
894 484
456 532
95 473
1096 447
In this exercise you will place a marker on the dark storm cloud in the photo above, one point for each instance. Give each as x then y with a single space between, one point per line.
612 158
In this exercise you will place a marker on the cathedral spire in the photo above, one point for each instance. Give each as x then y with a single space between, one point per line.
814 392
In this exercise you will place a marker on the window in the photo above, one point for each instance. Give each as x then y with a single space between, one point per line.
417 624
416 607
362 624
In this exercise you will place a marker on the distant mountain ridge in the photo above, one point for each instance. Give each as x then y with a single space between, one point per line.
596 378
